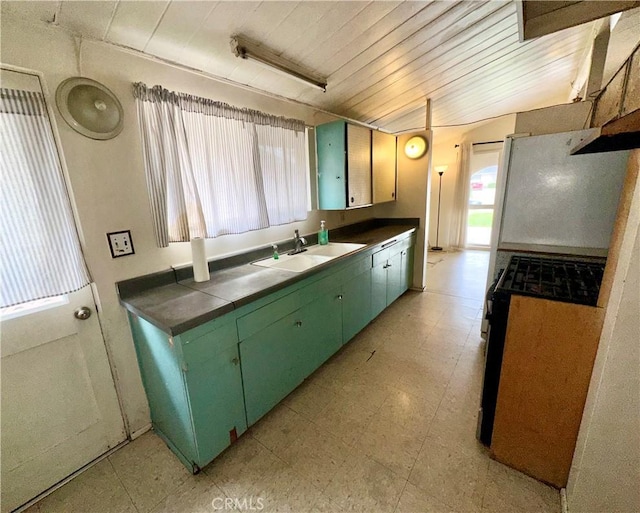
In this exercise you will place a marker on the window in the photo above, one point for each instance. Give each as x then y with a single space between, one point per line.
213 169
40 254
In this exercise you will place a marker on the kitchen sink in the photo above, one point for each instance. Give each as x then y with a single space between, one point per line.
315 255
335 249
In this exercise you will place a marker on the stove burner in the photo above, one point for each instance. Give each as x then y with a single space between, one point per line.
563 280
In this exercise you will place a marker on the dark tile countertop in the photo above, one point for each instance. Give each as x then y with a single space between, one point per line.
175 303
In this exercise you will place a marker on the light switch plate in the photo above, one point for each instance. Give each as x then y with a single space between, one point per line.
120 243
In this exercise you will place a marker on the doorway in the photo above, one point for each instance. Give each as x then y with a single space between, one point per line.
60 409
483 176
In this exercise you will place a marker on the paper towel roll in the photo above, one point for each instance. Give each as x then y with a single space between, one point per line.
200 265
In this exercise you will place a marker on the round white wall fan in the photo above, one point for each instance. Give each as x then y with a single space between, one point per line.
90 108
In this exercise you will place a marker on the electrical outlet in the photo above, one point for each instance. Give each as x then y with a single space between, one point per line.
120 243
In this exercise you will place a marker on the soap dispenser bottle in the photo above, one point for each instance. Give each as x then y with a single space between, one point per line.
323 235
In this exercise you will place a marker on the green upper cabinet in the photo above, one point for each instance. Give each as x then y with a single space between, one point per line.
356 166
383 166
344 166
331 146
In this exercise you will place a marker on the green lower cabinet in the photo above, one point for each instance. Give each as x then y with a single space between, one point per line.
395 279
271 365
356 305
194 387
160 366
206 386
391 275
278 358
407 268
378 289
214 387
321 333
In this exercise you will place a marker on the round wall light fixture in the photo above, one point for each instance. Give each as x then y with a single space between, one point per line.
416 147
89 108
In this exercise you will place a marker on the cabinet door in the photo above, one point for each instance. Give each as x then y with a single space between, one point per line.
321 331
217 403
356 305
271 366
395 279
332 177
407 268
163 378
383 166
378 288
358 166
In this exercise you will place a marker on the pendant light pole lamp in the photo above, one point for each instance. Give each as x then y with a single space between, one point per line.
440 170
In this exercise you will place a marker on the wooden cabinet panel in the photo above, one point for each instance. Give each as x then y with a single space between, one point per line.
383 166
358 166
548 357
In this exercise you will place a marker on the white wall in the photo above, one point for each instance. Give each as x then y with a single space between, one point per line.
412 201
107 177
605 472
445 153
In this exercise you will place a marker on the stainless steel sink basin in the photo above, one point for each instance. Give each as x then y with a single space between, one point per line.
315 255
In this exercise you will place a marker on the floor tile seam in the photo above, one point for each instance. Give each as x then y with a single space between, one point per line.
124 487
400 494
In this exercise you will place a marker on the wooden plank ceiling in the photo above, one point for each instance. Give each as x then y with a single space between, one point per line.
381 59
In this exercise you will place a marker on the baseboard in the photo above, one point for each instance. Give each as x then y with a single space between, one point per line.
563 500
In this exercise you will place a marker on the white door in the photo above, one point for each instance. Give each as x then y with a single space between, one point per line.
59 405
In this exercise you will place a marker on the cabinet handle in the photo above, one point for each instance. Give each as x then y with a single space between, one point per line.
339 297
393 194
235 361
298 324
352 199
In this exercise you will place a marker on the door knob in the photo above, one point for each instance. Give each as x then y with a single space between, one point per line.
82 313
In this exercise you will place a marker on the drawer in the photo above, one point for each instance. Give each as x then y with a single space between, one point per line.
380 257
354 269
268 314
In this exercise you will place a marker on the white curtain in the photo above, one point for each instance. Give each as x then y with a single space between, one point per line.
458 230
40 254
213 169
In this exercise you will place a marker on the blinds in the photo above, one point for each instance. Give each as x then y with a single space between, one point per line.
213 169
40 255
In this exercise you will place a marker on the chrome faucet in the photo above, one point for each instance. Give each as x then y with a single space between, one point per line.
299 243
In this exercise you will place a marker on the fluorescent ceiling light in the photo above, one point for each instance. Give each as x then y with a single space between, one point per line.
247 50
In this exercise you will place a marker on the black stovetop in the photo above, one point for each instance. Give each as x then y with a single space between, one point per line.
571 281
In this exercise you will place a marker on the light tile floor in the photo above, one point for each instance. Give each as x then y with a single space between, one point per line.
386 425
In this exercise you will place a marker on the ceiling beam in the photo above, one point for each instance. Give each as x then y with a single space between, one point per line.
539 18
